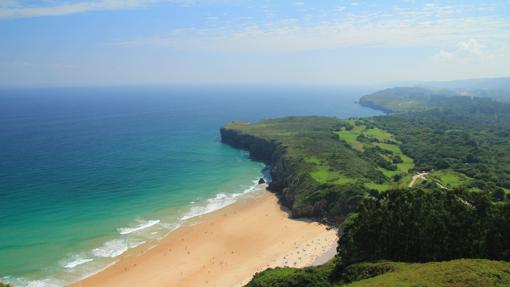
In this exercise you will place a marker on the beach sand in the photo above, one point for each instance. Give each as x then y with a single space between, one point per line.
224 248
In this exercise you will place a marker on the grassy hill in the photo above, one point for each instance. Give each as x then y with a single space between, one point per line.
406 99
416 99
455 273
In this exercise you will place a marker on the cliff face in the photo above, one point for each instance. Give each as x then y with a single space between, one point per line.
369 104
259 149
284 178
296 148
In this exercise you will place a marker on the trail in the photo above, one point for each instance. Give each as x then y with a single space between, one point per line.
415 178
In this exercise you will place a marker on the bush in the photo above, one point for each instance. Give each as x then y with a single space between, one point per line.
349 273
292 277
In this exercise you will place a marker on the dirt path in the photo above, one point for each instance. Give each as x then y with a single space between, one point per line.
415 178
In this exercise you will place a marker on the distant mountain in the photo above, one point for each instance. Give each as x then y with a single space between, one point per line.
471 84
406 99
427 95
495 88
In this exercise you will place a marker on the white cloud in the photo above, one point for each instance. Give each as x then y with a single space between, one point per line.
472 46
467 50
366 30
16 9
444 55
340 9
289 50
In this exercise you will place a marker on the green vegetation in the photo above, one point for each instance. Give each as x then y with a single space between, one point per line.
327 275
455 273
325 165
314 172
449 178
425 225
358 173
406 99
416 99
468 141
293 277
381 147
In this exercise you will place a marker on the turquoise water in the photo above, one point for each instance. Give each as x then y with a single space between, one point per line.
86 174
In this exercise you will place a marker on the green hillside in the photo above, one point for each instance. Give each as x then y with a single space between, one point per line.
426 185
406 99
455 273
317 169
323 167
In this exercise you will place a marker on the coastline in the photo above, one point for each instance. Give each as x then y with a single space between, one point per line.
224 248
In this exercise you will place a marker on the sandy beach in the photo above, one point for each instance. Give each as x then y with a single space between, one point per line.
224 248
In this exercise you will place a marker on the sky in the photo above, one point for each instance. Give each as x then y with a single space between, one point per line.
140 42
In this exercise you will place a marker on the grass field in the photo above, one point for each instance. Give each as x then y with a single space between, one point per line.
449 178
382 139
378 187
324 174
456 273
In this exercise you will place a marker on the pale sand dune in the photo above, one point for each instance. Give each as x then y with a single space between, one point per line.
224 249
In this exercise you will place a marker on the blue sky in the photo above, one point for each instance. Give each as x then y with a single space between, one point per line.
115 42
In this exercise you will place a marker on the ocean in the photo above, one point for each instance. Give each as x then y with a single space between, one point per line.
89 173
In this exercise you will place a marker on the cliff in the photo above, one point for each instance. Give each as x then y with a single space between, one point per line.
272 153
313 172
259 149
367 102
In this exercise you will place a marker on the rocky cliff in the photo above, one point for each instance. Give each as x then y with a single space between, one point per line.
286 179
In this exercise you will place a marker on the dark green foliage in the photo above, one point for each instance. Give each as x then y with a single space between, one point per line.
374 155
364 139
498 194
338 200
427 225
343 273
292 277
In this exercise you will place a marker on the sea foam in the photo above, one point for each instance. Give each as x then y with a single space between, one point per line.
116 247
23 282
220 201
76 261
147 224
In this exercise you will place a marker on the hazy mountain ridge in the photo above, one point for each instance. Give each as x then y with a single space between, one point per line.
420 96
